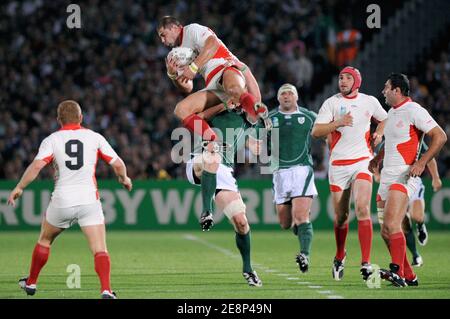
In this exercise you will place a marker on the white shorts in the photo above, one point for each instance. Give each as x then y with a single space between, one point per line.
419 194
224 175
397 178
296 181
341 177
85 215
216 87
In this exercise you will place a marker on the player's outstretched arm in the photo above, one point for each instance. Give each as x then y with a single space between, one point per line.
374 164
211 112
254 145
377 136
250 81
438 139
436 182
121 172
28 176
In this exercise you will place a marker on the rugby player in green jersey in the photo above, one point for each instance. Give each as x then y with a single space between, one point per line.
211 167
292 166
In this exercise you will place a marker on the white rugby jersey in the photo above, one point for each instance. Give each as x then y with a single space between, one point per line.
351 144
406 122
74 152
194 36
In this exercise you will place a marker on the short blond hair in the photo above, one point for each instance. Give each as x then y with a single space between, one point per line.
69 112
287 87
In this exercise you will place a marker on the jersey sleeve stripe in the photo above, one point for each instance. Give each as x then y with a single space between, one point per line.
48 159
104 157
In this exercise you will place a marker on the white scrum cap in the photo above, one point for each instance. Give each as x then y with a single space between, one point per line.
287 88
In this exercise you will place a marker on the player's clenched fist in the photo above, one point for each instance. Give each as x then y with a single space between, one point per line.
126 182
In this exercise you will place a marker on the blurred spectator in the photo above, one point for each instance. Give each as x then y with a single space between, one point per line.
347 44
301 68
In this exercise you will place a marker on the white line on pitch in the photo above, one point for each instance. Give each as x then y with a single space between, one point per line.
233 255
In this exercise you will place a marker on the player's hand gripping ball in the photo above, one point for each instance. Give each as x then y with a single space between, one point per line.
184 56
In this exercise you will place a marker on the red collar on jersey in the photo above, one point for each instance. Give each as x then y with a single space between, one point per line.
350 97
71 126
408 99
181 35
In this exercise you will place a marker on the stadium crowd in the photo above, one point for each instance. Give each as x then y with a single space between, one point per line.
114 66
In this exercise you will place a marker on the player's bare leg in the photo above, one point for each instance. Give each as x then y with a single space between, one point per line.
301 207
96 236
383 231
231 204
284 212
394 213
235 87
417 212
362 190
341 204
40 256
186 110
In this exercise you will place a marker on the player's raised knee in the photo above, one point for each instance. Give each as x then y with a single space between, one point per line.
180 111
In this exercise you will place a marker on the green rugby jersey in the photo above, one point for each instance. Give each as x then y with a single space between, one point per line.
293 146
230 128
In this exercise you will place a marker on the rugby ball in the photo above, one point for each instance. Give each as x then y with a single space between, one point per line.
183 55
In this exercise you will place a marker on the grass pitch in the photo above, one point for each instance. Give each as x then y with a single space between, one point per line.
166 265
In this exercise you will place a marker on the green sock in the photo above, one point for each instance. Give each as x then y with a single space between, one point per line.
305 235
411 243
208 184
243 244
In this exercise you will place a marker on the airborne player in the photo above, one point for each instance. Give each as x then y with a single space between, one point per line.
228 81
226 78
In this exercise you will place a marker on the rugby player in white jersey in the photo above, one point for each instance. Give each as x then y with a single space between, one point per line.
406 123
227 80
73 151
346 116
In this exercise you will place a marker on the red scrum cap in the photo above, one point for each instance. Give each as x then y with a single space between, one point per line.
354 72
